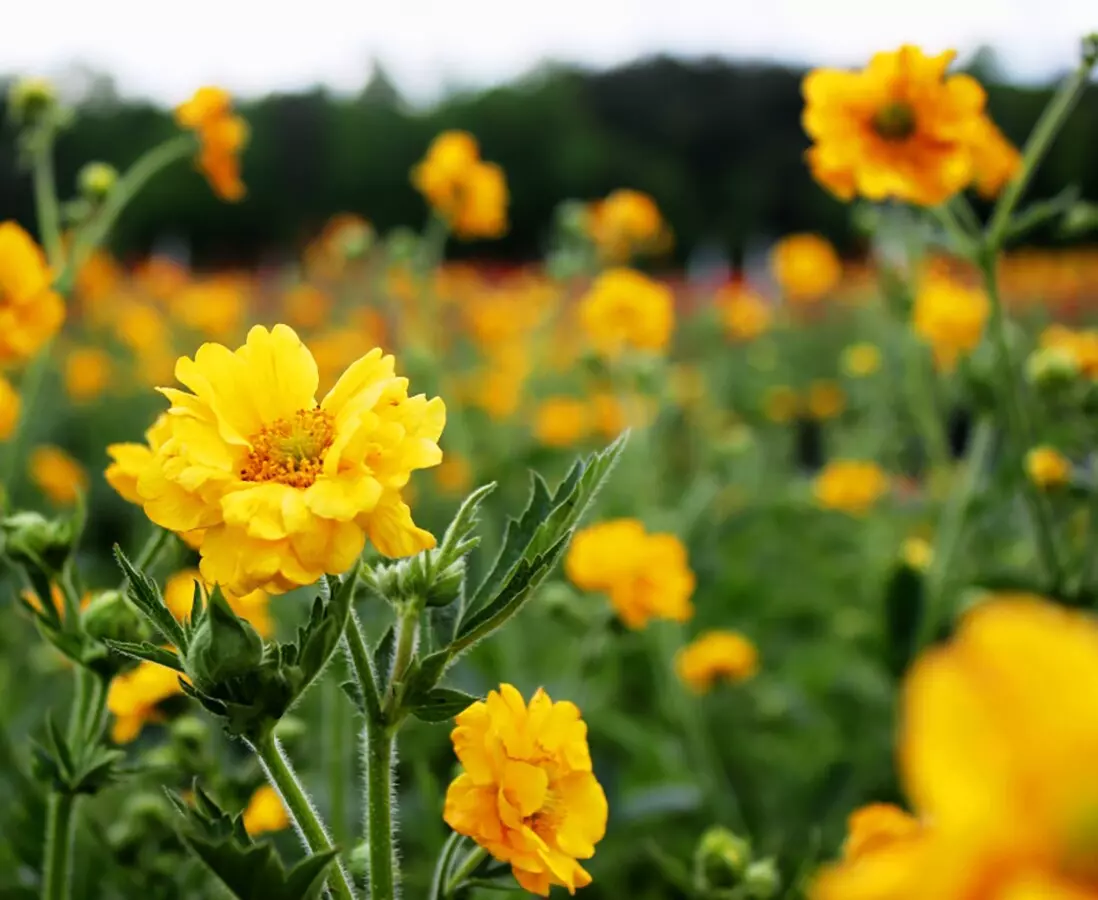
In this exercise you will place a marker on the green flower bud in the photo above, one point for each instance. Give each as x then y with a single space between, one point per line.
762 879
43 545
721 858
110 616
31 99
224 646
96 179
445 588
1052 366
358 860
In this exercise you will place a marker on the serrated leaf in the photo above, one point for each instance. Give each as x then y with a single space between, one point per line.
904 608
426 674
59 745
354 693
306 879
383 653
146 596
148 652
440 704
456 542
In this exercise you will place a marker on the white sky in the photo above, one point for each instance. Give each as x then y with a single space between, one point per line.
165 49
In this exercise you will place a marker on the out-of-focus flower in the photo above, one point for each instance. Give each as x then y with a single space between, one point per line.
96 180
222 136
626 223
781 404
860 360
10 406
1047 467
624 309
850 486
140 326
826 400
469 193
96 286
214 307
561 421
900 128
30 99
995 161
87 373
161 277
744 313
950 317
917 553
345 236
56 598
134 696
454 474
57 475
498 388
287 489
31 312
645 575
254 606
265 812
716 655
1081 346
527 794
306 306
806 267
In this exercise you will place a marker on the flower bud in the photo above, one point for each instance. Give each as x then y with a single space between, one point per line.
358 860
30 539
445 588
96 180
109 616
224 646
31 99
1052 366
762 880
721 858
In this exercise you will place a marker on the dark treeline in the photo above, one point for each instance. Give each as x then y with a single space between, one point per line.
718 144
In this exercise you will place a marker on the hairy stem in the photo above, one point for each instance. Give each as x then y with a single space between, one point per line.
380 753
45 197
60 830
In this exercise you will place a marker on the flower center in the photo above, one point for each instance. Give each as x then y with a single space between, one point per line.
895 121
290 451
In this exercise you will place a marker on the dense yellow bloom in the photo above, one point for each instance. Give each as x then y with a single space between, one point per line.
860 360
850 486
714 655
31 312
625 309
805 266
900 128
950 317
57 475
222 137
561 421
1047 467
995 161
87 373
128 461
624 224
645 575
265 812
253 607
527 794
10 406
470 194
997 740
781 404
744 313
826 400
284 488
133 698
306 307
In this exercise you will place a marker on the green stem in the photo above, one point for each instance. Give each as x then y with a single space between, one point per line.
461 873
60 830
45 197
335 742
306 821
358 651
407 630
442 866
31 386
380 752
924 405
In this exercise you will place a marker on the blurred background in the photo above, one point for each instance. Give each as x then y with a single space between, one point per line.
694 102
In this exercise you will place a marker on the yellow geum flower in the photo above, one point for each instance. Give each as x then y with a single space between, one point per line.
850 486
561 421
527 794
134 696
1047 467
900 128
57 475
130 460
624 309
716 654
222 138
995 161
860 360
10 406
826 400
287 489
744 313
950 317
469 193
806 267
646 576
31 312
626 223
87 373
265 812
253 607
997 759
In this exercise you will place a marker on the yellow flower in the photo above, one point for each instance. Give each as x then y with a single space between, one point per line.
716 654
10 406
900 128
140 326
826 400
96 284
133 698
306 307
344 237
161 277
950 317
498 389
57 475
624 224
850 486
1047 467
996 160
625 309
287 489
917 553
781 404
561 421
527 794
482 212
214 307
996 753
87 373
878 828
56 597
265 812
31 312
470 194
745 314
222 136
645 575
805 266
454 474
128 461
1081 346
860 360
253 607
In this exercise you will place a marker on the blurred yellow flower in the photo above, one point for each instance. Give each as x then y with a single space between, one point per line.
625 309
498 388
265 812
716 654
253 607
214 307
1081 346
878 828
899 129
645 575
161 277
345 236
306 307
1047 467
626 223
134 696
10 406
470 194
31 312
744 313
850 486
87 373
286 489
140 326
454 474
222 137
950 317
805 266
781 404
96 284
57 475
826 400
526 792
995 160
56 597
860 360
561 421
917 553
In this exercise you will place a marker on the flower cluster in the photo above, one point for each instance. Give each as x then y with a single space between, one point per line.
626 223
222 136
467 192
627 310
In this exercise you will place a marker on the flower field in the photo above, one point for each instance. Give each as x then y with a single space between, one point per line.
378 574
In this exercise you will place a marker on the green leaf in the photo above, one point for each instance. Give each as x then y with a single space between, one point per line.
318 639
1042 211
904 608
425 674
441 704
383 654
353 690
147 598
456 542
148 652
